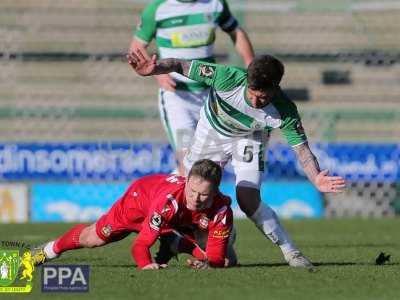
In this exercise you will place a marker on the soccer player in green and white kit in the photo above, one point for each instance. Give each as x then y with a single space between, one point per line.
242 107
186 29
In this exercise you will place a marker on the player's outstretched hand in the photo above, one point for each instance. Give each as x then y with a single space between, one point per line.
142 63
198 264
154 266
329 184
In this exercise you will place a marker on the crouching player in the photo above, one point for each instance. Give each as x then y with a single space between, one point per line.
166 207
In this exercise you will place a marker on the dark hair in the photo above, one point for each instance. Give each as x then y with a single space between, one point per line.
265 72
207 170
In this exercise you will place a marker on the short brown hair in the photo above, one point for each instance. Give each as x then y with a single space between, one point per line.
265 72
207 170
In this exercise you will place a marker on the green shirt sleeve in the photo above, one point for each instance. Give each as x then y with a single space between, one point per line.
220 77
291 127
147 28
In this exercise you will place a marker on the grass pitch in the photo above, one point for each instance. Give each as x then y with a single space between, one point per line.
344 252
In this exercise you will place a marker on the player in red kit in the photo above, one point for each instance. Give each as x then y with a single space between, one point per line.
160 206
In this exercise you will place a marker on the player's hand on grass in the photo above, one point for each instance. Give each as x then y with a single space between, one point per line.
329 184
141 62
166 82
154 266
198 264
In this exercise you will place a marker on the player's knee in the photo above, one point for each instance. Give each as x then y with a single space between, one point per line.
94 242
248 199
89 238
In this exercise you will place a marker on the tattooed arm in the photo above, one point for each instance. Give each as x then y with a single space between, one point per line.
147 66
322 181
169 65
308 161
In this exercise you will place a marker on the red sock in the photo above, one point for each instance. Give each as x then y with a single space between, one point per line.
69 240
187 246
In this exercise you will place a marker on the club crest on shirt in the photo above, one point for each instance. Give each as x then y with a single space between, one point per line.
203 222
155 221
206 71
256 125
106 230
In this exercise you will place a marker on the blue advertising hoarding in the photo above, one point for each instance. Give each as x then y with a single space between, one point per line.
287 199
83 161
66 202
87 202
124 161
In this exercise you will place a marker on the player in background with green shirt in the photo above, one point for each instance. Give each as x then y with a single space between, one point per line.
185 29
242 108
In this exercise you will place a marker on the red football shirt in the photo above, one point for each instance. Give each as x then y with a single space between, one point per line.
161 199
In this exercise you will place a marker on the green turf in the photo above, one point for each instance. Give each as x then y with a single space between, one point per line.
343 250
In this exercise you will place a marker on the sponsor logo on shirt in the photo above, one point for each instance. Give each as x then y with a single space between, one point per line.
221 233
176 21
192 38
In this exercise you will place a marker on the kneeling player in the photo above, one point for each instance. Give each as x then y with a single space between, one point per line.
159 206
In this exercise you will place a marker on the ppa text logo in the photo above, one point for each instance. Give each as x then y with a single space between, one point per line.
65 278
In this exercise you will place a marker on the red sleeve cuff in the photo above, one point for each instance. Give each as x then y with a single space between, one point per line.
141 255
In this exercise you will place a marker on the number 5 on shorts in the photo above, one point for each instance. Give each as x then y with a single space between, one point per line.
248 153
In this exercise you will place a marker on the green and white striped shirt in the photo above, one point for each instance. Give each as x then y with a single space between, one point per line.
185 30
230 113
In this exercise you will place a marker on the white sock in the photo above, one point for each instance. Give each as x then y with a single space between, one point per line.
48 250
267 221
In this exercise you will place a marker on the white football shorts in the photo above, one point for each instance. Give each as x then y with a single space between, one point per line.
247 154
180 112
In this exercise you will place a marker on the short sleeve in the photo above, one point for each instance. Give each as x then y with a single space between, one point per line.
220 77
146 29
292 128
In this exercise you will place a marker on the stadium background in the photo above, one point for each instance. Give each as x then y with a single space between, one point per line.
76 124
